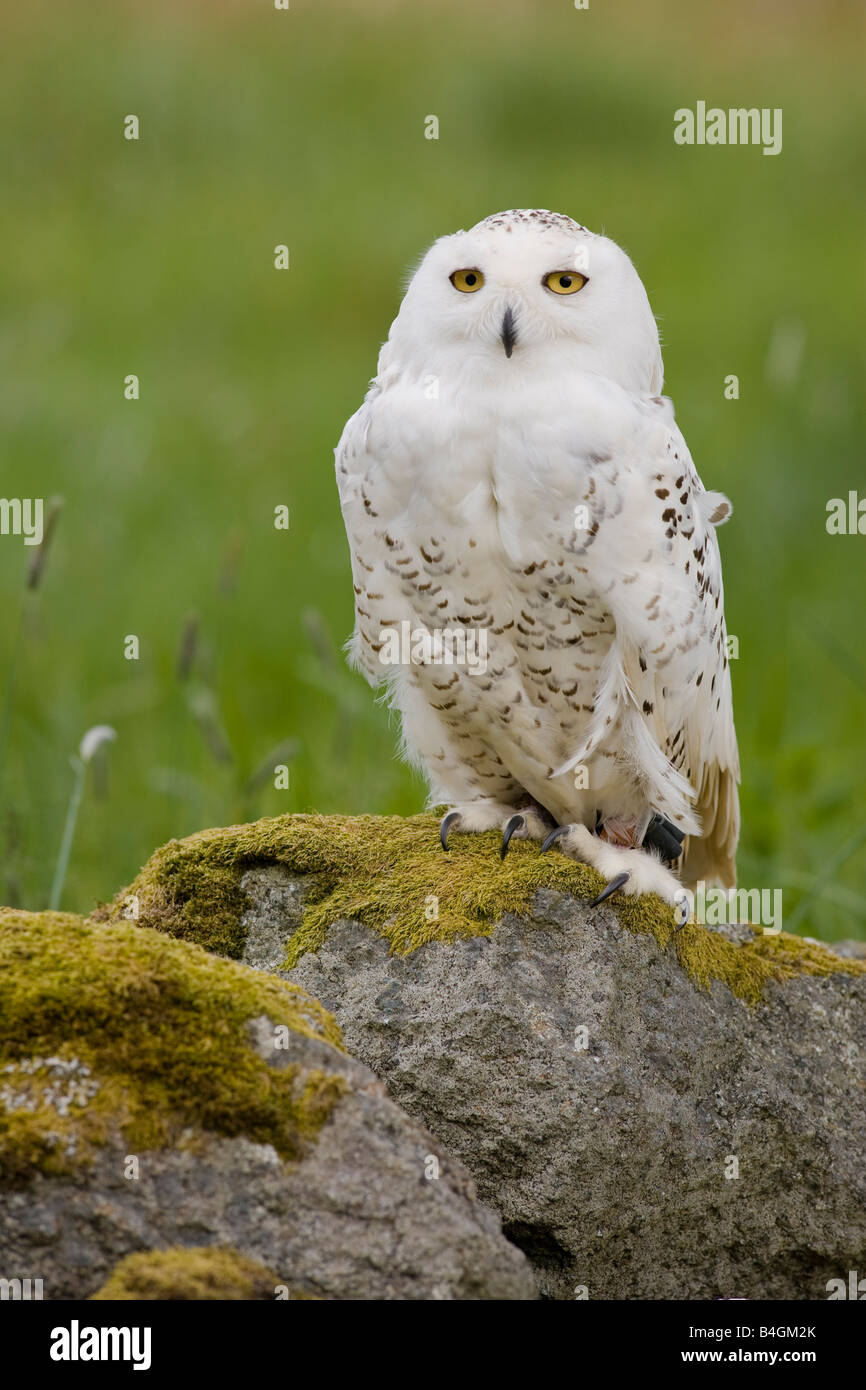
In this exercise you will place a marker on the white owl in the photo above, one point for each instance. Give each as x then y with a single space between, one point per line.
514 479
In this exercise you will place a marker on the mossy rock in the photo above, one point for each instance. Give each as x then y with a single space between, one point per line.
195 1274
386 871
154 1096
106 1028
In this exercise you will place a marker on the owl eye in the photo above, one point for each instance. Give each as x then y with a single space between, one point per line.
467 281
564 281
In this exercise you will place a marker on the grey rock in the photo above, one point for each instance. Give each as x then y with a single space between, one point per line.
275 910
852 950
375 1209
609 1154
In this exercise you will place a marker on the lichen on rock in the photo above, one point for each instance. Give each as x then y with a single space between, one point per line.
105 1027
154 1096
390 874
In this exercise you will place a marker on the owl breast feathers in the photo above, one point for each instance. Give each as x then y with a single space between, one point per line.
536 571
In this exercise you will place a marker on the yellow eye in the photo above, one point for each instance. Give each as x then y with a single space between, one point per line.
565 281
467 281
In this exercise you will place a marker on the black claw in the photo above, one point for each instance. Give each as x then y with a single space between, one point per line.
446 825
516 823
609 888
555 834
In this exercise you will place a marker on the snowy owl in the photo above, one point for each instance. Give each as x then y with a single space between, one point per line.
537 576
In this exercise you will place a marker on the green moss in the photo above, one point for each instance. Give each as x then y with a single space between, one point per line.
108 1027
194 1274
746 968
391 874
383 870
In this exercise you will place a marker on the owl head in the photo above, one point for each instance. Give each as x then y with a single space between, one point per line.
528 291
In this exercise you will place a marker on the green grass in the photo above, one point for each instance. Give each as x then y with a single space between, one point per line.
306 127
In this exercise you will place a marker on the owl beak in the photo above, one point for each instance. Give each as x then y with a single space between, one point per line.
509 331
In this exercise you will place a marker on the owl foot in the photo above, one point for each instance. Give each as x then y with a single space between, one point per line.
531 822
631 871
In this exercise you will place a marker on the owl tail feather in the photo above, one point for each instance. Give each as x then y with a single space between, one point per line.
711 858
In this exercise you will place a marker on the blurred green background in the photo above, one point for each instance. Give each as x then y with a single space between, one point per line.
306 127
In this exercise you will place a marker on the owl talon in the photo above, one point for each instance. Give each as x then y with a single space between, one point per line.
555 834
516 823
616 883
447 822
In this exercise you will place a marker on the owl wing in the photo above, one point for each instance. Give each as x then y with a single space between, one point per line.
350 462
664 699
